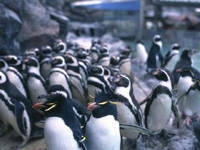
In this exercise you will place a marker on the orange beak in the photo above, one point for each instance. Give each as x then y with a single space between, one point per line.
38 106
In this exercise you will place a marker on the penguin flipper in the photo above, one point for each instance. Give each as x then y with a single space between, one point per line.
136 129
176 114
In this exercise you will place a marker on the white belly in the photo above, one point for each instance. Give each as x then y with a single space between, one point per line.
14 79
125 116
103 134
58 136
159 113
36 89
57 78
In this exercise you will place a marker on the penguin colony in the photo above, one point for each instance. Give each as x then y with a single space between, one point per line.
85 99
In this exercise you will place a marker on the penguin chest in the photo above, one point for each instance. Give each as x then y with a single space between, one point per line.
35 88
15 80
105 61
125 116
159 112
92 90
45 70
125 67
58 136
172 62
193 103
141 55
57 78
103 133
183 86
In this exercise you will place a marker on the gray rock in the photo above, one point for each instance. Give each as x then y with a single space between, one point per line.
36 21
10 26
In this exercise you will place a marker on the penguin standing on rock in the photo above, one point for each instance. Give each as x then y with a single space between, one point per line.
159 103
191 102
129 112
155 58
102 128
62 129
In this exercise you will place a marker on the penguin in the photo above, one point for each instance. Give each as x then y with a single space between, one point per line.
96 81
104 57
114 65
95 52
125 64
77 85
141 53
129 111
185 80
159 103
172 57
13 110
45 58
14 73
58 74
190 102
59 46
62 129
35 83
155 58
102 128
184 61
83 66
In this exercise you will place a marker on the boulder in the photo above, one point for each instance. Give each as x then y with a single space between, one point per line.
10 26
36 21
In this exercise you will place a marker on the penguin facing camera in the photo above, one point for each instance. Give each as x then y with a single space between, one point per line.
62 129
155 58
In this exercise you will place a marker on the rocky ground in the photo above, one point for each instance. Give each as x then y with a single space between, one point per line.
170 139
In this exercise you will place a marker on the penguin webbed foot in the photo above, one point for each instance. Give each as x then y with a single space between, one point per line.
3 129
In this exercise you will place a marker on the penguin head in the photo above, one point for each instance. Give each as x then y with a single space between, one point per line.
70 60
105 104
187 54
54 101
157 40
186 72
163 76
114 61
175 46
13 60
31 61
45 51
3 65
123 87
58 61
125 52
32 52
59 46
96 70
104 50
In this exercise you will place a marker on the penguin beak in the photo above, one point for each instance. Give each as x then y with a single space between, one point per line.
38 106
92 106
156 72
